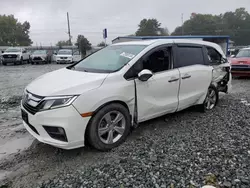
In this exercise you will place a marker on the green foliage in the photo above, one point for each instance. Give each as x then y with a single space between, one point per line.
63 43
83 44
101 44
235 24
14 33
151 27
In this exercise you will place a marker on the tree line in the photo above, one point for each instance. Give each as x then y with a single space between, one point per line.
236 24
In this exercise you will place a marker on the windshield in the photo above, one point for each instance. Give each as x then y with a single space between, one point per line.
13 50
244 53
109 59
64 52
40 52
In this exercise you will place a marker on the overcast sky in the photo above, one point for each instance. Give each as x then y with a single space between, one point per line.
121 17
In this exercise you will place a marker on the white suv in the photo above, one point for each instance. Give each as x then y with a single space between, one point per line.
106 94
15 55
64 56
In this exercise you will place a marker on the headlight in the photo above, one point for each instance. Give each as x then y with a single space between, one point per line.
56 102
18 56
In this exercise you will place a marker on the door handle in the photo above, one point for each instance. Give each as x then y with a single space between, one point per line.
186 76
173 79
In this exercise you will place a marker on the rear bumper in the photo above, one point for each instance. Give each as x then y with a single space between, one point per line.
240 71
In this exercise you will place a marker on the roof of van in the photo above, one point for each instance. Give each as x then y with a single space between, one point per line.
175 37
167 41
171 41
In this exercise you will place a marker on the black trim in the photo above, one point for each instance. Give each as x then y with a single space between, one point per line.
135 122
26 120
55 134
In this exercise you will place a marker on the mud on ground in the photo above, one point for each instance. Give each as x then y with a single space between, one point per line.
180 149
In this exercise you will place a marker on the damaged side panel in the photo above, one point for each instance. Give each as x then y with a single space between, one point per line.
222 77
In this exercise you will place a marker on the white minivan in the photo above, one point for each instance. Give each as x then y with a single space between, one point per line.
103 96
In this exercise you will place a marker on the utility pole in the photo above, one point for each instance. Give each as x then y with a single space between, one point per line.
68 28
182 24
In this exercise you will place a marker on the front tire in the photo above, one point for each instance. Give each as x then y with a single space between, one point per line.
211 99
109 127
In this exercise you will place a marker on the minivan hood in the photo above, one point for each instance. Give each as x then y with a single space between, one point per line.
65 82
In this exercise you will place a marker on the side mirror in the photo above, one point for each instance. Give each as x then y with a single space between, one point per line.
144 75
232 55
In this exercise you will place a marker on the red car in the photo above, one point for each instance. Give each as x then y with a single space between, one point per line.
240 64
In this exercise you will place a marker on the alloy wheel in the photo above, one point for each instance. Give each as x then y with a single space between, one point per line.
111 127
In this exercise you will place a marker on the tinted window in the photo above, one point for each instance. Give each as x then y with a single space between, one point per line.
187 56
158 61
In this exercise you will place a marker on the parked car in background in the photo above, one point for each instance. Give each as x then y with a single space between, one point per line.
240 63
64 56
15 55
77 56
41 56
103 96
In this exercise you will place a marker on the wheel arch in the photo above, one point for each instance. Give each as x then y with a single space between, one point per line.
98 109
202 98
110 102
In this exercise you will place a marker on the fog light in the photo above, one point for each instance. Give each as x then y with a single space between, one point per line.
57 133
61 130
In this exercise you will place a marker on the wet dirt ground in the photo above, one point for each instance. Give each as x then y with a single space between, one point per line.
24 162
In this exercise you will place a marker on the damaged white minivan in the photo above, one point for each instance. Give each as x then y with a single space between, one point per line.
102 97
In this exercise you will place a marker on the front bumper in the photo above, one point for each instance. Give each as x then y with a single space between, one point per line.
64 61
11 60
67 118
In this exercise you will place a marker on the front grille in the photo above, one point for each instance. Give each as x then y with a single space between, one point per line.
31 97
9 59
63 57
10 56
37 58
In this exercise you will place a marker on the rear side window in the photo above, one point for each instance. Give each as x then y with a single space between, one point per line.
187 56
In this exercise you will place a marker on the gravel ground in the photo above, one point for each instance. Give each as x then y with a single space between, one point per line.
186 149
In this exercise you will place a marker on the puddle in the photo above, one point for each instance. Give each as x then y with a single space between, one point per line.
15 145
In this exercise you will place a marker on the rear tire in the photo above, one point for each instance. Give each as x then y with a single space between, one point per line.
211 99
21 61
109 127
4 64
